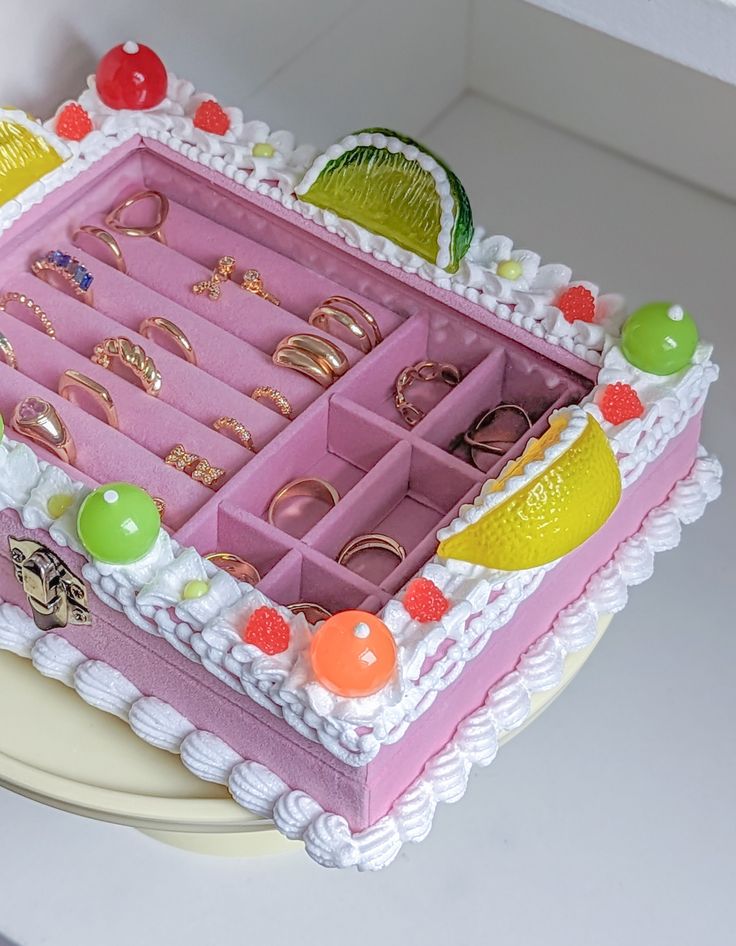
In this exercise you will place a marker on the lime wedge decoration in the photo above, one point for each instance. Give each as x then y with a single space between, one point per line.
395 187
27 153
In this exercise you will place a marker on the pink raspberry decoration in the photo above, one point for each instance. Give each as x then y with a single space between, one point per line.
577 304
268 631
73 122
620 402
424 601
212 117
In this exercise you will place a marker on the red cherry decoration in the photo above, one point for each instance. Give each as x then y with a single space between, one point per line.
577 304
268 631
620 403
212 117
73 122
425 602
131 76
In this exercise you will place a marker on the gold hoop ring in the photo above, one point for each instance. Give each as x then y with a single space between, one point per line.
23 300
349 314
74 275
132 357
309 486
155 231
236 566
196 467
223 424
370 541
39 421
72 381
159 323
265 392
8 352
107 240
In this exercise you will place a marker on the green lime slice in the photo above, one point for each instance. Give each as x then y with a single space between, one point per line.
395 187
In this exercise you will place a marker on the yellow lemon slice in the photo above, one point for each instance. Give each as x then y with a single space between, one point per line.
27 153
395 187
545 504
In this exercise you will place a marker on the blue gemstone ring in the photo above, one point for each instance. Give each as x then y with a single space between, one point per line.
76 276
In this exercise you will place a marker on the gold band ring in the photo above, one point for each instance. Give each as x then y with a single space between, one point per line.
252 281
159 323
309 486
312 356
236 566
196 467
8 352
223 424
73 274
107 240
72 381
349 314
39 421
314 613
265 392
370 541
155 231
132 357
22 299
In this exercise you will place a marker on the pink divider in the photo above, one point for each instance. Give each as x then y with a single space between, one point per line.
100 452
205 236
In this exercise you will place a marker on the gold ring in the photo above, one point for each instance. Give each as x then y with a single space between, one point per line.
39 421
8 352
113 219
108 240
236 566
349 314
371 540
312 356
159 323
72 381
314 613
223 424
265 392
252 281
212 287
310 486
22 299
196 467
132 357
75 275
423 371
160 505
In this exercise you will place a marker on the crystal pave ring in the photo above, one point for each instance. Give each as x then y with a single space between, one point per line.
75 275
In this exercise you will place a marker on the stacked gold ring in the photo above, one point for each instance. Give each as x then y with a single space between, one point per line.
352 316
312 356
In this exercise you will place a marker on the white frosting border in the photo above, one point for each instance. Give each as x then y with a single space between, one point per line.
326 836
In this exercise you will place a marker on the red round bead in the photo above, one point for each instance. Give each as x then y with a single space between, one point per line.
424 601
212 117
620 403
131 76
268 631
577 304
73 122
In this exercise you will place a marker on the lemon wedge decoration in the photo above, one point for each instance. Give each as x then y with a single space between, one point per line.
395 187
545 504
27 153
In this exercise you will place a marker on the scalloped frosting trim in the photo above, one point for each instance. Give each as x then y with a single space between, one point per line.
327 837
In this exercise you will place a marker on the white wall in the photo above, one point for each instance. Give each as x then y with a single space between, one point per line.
318 67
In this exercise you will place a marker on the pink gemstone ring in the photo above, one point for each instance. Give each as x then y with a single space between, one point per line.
38 421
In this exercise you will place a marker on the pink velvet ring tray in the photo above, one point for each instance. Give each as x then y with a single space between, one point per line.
354 777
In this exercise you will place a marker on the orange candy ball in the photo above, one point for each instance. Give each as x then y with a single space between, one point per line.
353 654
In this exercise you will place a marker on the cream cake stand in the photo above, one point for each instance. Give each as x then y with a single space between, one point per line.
57 750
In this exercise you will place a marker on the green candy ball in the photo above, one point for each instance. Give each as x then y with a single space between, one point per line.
118 523
659 338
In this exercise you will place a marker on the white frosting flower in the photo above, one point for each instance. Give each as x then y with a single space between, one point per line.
287 162
489 266
52 483
19 473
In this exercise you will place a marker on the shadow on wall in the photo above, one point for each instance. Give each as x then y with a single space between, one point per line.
4 941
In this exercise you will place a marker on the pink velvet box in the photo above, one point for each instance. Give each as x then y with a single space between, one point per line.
392 479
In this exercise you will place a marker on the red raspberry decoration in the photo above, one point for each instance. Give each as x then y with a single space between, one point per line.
131 76
212 117
424 601
268 631
577 304
73 122
620 402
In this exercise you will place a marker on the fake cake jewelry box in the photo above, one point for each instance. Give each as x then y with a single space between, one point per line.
302 475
